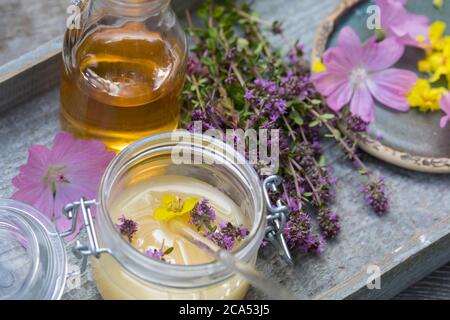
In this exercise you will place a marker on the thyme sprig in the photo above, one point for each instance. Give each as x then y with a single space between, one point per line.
237 80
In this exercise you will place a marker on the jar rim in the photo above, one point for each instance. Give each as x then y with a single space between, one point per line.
140 265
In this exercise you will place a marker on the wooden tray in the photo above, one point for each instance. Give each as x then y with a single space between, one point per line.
407 244
412 140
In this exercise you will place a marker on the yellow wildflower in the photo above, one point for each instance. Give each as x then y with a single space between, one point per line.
437 60
437 30
318 66
173 207
424 97
439 4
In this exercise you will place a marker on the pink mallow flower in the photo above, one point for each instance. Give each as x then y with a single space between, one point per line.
54 177
357 74
406 27
445 106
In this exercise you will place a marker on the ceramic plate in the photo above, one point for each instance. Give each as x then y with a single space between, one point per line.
411 140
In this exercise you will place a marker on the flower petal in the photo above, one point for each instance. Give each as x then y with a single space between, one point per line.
362 104
336 60
392 86
35 168
382 55
348 41
189 204
340 97
398 22
444 121
38 196
445 103
162 214
327 82
167 200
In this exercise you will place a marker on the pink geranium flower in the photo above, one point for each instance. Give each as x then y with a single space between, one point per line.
445 106
357 74
54 177
406 27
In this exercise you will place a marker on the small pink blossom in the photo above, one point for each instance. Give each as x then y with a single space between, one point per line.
396 21
54 177
357 74
445 106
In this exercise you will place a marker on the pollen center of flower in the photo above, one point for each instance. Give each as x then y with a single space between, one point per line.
177 205
358 75
55 175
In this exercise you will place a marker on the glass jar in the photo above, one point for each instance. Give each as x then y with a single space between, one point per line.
124 65
126 273
123 272
32 255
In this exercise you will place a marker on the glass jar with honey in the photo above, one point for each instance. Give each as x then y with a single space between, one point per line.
35 266
124 70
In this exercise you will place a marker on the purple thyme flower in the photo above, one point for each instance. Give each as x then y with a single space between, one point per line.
231 54
355 123
375 196
127 227
195 67
329 223
202 216
295 54
156 254
209 118
299 235
230 80
236 233
221 239
228 235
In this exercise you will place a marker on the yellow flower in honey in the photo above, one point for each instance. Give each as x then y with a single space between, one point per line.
318 66
424 97
173 207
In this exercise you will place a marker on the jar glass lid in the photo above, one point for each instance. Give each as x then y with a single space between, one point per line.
33 263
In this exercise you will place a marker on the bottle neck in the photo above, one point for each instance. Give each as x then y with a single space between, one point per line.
137 6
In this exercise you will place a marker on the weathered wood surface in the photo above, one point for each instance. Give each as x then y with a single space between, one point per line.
419 201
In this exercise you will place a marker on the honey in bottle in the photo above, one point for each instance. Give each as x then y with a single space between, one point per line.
123 81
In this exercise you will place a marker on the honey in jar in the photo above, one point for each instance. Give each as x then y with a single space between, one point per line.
123 73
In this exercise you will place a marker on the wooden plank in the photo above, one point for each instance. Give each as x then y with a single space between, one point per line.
407 244
30 75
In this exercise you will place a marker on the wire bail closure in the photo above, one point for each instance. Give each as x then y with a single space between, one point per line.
83 251
276 218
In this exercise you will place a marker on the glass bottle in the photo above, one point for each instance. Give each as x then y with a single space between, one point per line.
124 71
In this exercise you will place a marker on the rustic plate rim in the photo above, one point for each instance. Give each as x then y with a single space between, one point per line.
365 142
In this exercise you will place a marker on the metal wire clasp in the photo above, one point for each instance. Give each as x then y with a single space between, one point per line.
83 251
276 217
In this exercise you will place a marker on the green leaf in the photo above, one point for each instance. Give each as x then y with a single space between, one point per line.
242 43
314 123
218 11
328 116
213 32
316 101
168 251
322 161
295 116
